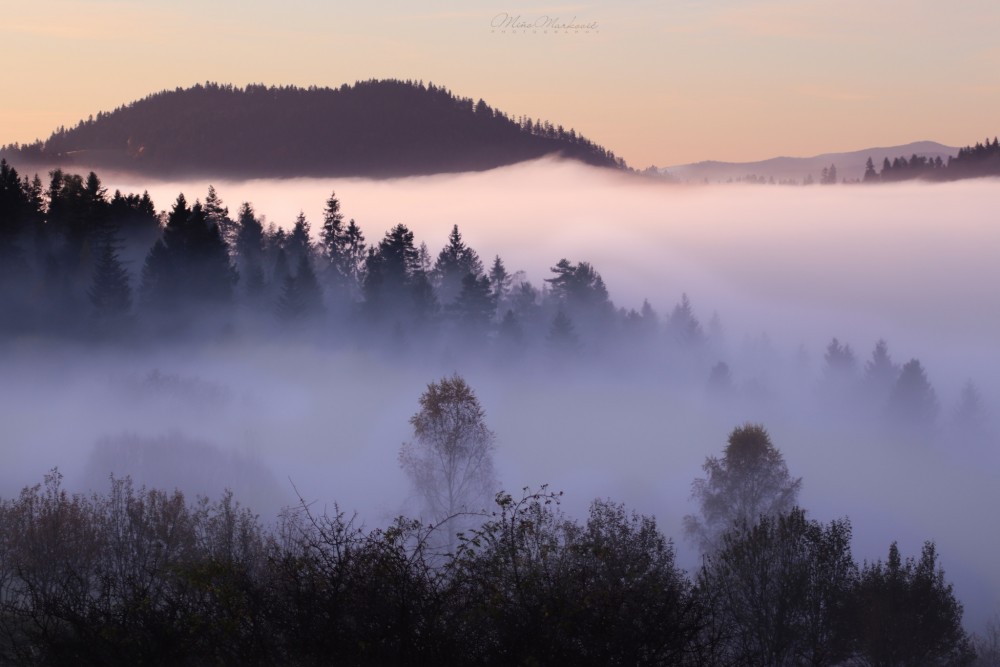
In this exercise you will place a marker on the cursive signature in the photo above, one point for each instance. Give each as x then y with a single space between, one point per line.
505 21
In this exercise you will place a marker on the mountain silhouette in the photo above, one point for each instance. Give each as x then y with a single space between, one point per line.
377 128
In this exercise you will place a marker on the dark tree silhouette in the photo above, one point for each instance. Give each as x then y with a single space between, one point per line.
216 213
110 293
781 590
455 261
395 284
871 176
189 267
840 361
301 296
249 250
372 128
881 372
500 282
562 338
906 613
15 222
913 405
751 480
299 243
474 307
336 251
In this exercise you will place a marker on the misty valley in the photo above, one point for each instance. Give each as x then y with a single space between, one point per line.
541 414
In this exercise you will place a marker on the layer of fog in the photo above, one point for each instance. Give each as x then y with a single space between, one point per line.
914 264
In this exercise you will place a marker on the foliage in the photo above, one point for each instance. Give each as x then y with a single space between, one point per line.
450 461
906 613
780 589
374 128
751 480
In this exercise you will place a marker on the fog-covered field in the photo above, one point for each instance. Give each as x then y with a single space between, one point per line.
785 269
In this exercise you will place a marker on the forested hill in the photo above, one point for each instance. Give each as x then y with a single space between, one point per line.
373 128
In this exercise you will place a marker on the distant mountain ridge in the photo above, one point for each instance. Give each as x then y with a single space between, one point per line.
850 165
377 128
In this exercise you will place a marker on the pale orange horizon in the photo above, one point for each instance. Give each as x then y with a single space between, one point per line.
657 83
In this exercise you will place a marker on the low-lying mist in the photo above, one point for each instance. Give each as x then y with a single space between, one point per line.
785 268
912 263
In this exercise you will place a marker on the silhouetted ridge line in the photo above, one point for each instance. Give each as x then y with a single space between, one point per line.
374 128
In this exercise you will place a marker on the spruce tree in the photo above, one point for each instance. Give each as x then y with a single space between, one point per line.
301 296
110 293
454 262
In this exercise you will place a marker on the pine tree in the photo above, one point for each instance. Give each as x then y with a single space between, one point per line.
840 361
913 405
454 262
500 280
301 296
871 176
332 236
393 277
110 293
683 328
353 258
880 372
249 246
189 266
216 213
14 208
510 334
474 307
562 336
299 243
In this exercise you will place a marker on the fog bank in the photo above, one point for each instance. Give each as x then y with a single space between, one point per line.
914 264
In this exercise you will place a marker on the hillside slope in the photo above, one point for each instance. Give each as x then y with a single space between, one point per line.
373 128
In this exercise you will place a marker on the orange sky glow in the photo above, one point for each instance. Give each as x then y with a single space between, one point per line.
657 82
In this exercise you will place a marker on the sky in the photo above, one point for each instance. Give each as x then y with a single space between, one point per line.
657 81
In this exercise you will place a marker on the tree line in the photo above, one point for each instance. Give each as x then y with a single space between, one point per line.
977 161
373 128
144 576
78 263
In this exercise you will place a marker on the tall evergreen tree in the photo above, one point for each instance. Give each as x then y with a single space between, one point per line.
881 372
913 405
299 243
353 259
871 176
110 293
474 308
343 249
249 247
217 213
500 281
579 290
301 295
14 209
395 285
189 266
841 363
332 235
454 262
683 328
562 337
